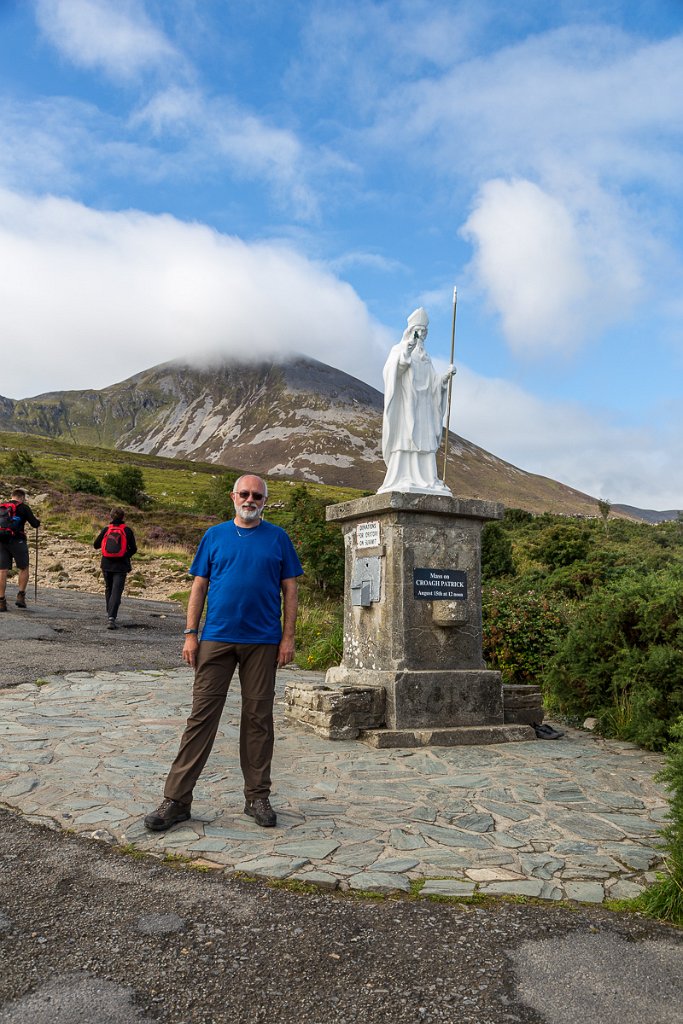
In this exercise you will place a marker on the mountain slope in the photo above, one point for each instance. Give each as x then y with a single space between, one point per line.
296 418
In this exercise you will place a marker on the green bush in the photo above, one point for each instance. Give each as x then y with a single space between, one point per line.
622 658
576 581
319 545
665 898
496 552
562 545
516 516
521 630
216 500
127 484
85 482
21 462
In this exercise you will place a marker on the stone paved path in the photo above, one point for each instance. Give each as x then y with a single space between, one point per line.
576 818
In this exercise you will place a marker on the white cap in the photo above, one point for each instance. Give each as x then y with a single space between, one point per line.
418 318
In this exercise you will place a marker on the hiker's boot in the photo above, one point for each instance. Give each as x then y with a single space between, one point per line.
111 624
167 814
21 599
261 811
3 604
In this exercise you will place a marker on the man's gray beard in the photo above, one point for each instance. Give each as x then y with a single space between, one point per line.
249 515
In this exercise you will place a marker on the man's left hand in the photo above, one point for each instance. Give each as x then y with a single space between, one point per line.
285 653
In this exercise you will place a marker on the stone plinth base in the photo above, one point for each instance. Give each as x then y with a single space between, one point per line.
425 699
335 714
383 739
523 704
349 712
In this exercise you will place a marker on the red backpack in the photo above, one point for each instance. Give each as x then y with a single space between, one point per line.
114 542
10 524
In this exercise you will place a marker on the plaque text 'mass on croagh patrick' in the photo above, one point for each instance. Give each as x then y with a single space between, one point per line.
440 584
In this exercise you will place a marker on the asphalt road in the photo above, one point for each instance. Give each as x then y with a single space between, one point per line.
65 631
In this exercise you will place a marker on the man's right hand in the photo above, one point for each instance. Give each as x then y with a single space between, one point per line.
190 648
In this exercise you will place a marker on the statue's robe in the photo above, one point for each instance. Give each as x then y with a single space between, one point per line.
414 408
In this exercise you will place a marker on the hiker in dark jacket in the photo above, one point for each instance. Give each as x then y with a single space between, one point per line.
117 543
14 546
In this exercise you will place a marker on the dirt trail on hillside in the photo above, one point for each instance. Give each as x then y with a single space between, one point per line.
65 564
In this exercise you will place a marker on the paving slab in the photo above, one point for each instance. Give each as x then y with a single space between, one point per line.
577 819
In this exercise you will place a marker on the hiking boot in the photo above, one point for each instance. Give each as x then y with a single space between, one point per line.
21 599
261 811
111 624
3 604
168 813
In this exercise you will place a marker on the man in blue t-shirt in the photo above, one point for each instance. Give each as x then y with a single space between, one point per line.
244 566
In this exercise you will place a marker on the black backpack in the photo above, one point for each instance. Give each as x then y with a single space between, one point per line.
10 522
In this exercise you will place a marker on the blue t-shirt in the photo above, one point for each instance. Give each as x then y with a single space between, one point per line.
245 570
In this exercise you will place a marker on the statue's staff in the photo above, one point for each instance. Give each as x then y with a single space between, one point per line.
450 385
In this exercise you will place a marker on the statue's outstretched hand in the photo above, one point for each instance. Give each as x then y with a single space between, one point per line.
408 341
450 372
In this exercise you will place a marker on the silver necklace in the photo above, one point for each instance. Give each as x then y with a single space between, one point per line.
240 535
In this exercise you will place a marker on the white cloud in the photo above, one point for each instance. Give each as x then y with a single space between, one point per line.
586 96
369 260
586 449
91 297
530 260
116 37
221 132
572 144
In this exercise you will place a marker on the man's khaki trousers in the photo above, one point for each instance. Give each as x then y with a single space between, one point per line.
216 663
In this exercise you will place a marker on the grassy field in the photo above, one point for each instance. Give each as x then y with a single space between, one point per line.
173 484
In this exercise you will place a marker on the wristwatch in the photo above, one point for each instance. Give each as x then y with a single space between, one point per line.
188 632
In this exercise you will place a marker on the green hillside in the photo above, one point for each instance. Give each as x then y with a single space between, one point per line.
183 498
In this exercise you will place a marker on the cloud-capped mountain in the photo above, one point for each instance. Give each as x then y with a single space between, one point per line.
295 418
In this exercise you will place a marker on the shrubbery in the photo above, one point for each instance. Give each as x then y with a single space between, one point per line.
622 658
128 485
562 545
85 482
665 898
319 545
521 631
21 462
595 617
496 552
216 500
319 634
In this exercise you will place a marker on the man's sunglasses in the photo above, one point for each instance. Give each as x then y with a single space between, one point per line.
256 495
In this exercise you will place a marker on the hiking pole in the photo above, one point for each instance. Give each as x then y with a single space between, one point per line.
450 386
35 574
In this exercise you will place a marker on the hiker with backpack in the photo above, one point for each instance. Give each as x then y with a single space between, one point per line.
117 543
14 514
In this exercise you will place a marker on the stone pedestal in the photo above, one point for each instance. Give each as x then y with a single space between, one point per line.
412 613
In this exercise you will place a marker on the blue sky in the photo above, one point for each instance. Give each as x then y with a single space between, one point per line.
185 177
